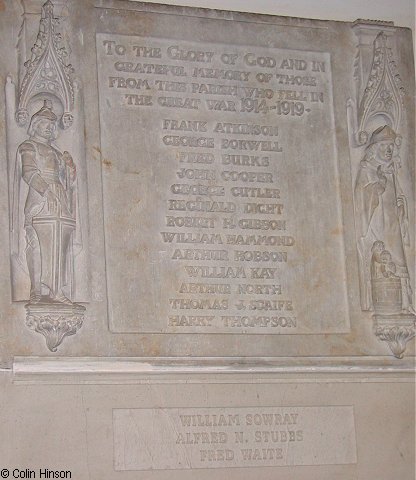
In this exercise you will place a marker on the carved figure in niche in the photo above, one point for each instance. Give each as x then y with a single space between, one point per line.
50 210
377 248
382 217
388 268
382 265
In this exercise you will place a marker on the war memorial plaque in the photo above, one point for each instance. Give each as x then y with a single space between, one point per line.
208 243
203 180
221 160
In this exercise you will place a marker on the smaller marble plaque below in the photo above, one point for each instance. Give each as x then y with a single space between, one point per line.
192 438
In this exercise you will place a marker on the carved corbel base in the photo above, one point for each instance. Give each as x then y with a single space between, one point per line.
396 330
54 321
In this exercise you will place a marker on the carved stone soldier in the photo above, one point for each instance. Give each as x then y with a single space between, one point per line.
49 177
382 219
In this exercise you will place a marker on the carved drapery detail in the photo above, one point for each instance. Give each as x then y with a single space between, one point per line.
47 71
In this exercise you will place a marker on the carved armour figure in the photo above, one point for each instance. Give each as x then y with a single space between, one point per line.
382 221
49 210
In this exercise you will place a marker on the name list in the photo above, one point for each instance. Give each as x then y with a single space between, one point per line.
184 438
222 124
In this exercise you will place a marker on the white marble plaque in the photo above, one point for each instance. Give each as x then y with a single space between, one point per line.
231 225
192 438
191 183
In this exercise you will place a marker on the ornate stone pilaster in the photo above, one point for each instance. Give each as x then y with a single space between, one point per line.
47 175
383 201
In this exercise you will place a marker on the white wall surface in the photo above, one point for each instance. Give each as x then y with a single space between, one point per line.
402 12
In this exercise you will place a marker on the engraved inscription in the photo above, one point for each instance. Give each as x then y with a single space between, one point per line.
192 438
229 135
